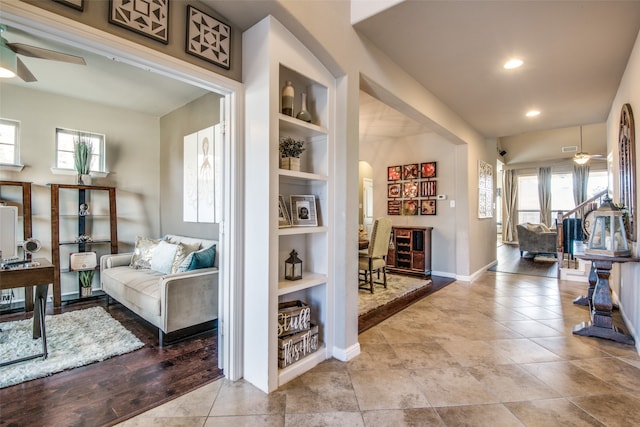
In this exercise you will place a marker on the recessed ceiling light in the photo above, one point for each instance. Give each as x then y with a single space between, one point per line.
513 63
533 113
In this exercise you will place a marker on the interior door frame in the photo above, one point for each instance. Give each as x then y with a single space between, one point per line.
47 24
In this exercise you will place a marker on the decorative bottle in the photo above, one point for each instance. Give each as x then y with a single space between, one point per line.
287 99
304 114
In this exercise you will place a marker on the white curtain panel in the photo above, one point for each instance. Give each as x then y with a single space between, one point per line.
544 195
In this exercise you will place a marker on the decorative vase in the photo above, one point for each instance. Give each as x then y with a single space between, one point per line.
83 179
288 94
86 292
290 163
304 114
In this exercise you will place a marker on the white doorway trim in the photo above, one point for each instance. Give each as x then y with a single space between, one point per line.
47 24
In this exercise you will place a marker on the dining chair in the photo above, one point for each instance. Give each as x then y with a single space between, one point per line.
374 259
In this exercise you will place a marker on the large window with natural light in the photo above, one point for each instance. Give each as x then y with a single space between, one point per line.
9 142
561 194
65 142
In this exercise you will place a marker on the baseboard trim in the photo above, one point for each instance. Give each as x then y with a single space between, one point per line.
346 354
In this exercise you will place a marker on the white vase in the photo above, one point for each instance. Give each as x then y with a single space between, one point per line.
290 163
83 179
85 292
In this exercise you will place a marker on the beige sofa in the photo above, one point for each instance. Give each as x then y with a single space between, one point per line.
171 302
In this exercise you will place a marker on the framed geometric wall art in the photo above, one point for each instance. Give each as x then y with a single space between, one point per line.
485 190
208 38
149 18
76 4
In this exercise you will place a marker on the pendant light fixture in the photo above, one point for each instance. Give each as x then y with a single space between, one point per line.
581 158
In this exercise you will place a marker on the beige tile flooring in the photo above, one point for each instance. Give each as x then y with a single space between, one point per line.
495 352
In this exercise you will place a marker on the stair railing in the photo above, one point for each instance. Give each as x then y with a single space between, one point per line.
578 212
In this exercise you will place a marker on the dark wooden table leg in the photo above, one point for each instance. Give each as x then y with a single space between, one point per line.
601 324
586 300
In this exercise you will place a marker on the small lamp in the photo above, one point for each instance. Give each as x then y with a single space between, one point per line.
608 235
293 267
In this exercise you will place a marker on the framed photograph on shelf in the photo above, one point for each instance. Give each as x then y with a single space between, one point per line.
428 170
393 207
303 211
410 171
427 207
394 173
393 191
284 220
409 207
79 261
410 189
428 189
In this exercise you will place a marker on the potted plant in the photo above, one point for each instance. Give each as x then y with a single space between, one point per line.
82 150
290 151
86 279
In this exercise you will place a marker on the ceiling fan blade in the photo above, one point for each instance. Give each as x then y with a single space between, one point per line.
38 52
24 73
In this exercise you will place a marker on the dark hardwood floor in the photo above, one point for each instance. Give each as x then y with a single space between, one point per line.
108 392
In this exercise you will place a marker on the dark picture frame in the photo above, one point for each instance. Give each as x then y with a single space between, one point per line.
410 189
152 21
410 171
428 189
410 207
428 170
428 207
393 207
208 38
76 4
394 190
394 173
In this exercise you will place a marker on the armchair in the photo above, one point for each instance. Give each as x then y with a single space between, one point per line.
534 239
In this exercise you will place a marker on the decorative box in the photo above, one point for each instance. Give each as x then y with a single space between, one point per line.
293 317
292 348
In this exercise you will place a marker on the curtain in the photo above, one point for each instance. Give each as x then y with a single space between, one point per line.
510 201
544 195
580 181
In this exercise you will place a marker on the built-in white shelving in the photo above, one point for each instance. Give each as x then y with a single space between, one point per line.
272 56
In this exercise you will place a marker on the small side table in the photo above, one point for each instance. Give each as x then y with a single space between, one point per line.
599 299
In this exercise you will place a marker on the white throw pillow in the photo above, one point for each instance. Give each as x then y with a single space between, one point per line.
163 256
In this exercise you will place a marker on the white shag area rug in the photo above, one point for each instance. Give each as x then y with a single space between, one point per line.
397 286
75 338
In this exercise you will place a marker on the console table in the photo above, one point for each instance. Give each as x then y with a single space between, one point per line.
39 276
599 299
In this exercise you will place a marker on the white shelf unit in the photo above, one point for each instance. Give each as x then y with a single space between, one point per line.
271 56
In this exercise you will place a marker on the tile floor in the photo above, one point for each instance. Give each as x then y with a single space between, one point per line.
495 352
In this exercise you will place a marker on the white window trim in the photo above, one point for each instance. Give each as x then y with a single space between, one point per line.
16 166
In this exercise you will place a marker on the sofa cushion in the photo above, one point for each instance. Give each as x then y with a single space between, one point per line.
537 228
163 257
137 287
204 258
184 249
143 252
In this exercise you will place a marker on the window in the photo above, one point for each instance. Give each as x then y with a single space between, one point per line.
65 139
528 203
598 181
561 194
9 142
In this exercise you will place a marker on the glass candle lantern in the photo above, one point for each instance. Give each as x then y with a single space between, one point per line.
608 235
293 267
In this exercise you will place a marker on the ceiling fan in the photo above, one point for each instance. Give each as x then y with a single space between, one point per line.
11 65
583 157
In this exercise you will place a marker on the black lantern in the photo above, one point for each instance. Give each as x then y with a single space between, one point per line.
608 236
293 267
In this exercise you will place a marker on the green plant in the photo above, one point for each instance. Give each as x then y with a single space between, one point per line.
290 147
82 149
86 278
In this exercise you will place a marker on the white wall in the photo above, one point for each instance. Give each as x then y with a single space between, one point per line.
133 159
628 93
428 147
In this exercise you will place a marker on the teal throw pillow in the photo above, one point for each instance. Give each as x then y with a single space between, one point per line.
203 258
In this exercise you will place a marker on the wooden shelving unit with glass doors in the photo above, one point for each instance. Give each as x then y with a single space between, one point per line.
267 244
67 225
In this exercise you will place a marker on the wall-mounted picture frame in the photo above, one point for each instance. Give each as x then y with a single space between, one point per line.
427 207
428 189
76 4
284 219
410 189
394 190
208 38
303 211
393 207
428 170
148 18
485 189
394 173
410 171
409 207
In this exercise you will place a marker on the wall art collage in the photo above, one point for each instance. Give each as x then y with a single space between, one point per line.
412 189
